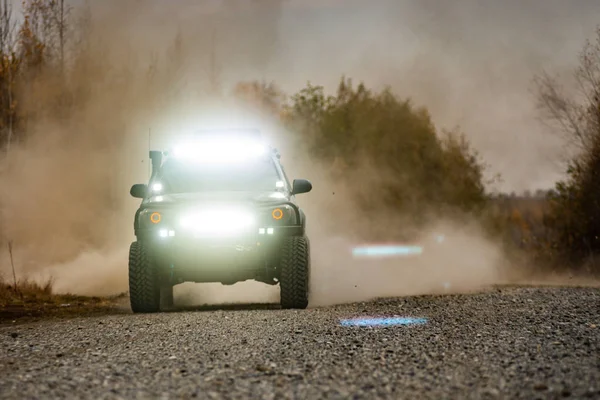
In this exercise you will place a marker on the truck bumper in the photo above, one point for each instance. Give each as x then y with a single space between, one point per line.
226 260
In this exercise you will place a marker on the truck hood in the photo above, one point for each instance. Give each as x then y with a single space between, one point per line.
251 198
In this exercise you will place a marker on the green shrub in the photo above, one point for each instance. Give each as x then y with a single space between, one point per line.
391 148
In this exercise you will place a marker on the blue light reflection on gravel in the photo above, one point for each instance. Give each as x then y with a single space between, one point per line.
390 321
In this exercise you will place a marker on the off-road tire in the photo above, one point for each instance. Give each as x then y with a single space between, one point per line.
295 273
144 292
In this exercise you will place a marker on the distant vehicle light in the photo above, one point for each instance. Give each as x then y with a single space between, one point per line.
387 251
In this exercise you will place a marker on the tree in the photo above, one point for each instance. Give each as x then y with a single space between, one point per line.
47 21
389 150
575 212
9 66
31 47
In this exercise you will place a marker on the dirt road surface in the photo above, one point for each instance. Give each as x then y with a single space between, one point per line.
505 343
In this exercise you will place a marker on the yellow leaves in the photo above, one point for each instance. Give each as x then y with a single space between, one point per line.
32 49
9 64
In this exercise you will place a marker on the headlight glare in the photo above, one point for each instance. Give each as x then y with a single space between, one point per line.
219 222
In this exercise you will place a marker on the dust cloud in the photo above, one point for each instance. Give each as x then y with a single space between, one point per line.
465 261
457 256
144 72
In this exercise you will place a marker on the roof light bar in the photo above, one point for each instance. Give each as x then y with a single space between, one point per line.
216 149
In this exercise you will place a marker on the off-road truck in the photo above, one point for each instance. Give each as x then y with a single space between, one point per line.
218 209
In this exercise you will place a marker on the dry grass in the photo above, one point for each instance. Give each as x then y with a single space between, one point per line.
30 299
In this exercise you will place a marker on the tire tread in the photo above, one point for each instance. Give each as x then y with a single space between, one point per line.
144 294
295 273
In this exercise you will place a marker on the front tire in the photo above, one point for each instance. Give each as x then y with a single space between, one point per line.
144 292
295 273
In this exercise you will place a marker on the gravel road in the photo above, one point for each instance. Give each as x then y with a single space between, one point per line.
507 343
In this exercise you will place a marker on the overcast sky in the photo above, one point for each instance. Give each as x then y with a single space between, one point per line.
470 61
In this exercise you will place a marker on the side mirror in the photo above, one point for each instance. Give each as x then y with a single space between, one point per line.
139 190
300 186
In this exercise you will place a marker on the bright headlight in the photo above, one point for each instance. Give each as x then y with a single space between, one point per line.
219 222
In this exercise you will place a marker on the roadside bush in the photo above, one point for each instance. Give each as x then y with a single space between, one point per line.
389 150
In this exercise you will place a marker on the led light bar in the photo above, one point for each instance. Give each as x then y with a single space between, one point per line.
215 149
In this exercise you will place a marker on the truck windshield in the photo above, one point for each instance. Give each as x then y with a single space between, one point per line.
181 177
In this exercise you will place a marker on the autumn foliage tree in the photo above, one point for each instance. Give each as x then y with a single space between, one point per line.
10 65
575 204
29 52
388 150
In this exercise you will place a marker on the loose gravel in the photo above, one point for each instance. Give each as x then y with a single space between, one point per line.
522 343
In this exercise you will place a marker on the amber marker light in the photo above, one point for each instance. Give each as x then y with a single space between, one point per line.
277 214
155 218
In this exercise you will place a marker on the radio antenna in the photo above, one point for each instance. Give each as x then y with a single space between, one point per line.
149 148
